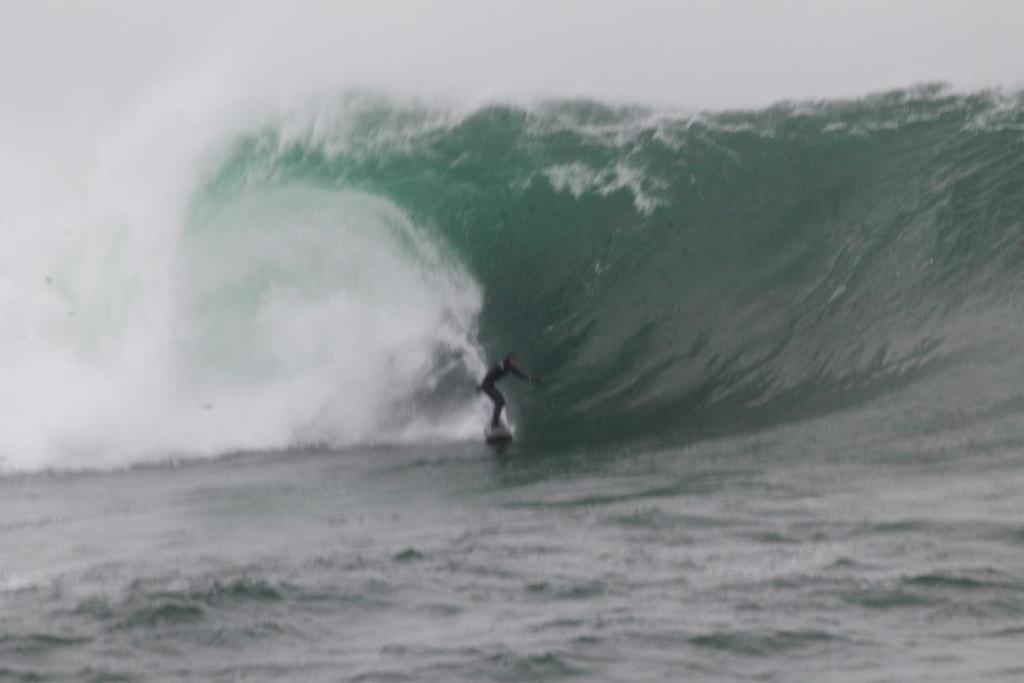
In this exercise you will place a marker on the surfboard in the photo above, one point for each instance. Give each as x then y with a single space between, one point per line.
499 434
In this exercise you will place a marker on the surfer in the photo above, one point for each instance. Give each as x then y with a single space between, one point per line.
506 366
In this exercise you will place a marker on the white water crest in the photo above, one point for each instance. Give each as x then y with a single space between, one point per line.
138 327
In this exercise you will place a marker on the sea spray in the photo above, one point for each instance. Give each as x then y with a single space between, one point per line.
143 322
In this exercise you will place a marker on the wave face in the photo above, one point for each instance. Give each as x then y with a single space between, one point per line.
675 275
342 270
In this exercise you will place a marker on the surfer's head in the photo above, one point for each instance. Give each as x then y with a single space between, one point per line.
509 359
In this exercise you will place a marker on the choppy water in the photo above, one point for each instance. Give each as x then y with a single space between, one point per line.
836 550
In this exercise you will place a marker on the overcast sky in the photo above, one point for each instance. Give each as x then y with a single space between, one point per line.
688 53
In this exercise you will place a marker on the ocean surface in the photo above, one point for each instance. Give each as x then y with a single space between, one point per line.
780 436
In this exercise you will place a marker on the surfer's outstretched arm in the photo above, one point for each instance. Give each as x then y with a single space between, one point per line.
523 375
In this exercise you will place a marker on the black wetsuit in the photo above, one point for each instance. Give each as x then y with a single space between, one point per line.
487 386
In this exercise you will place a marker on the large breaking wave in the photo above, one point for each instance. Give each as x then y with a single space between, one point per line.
339 273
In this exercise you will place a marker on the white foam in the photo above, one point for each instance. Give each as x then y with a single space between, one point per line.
109 292
578 179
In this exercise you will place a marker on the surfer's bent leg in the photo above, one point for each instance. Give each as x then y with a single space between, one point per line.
499 402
